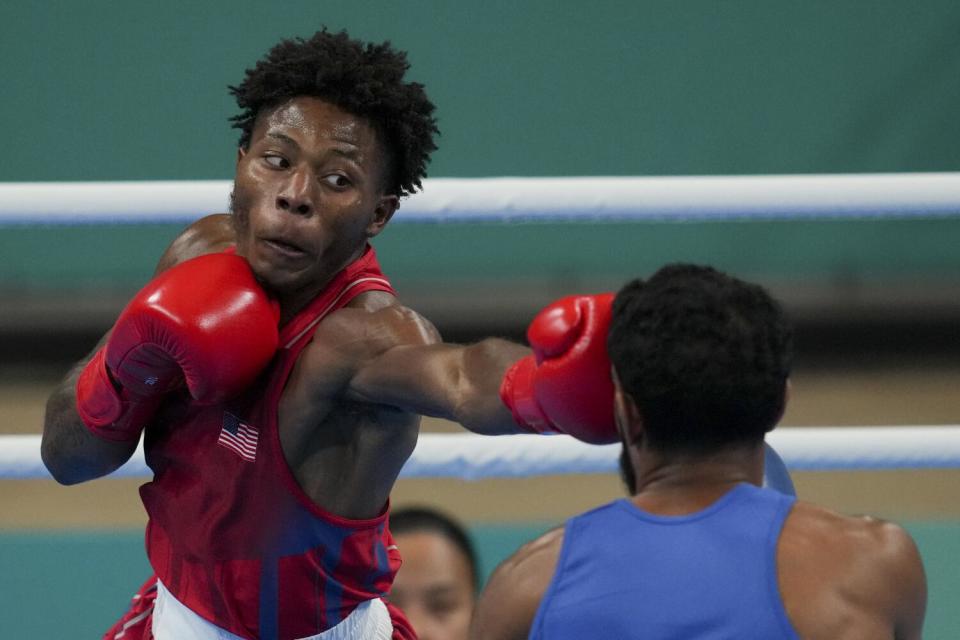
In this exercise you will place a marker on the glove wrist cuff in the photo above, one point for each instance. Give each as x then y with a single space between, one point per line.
101 406
516 392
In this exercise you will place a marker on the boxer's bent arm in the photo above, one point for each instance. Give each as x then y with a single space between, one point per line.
69 450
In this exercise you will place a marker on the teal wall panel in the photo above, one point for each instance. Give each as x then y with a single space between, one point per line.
122 257
104 90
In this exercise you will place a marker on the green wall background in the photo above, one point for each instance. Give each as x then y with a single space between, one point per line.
121 257
101 90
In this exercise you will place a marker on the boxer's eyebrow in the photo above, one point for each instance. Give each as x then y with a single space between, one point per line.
348 152
282 137
346 149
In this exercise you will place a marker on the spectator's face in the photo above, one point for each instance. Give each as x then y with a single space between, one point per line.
434 586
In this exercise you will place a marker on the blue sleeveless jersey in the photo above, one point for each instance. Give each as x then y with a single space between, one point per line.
711 575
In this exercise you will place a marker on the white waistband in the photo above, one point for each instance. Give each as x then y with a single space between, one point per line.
173 620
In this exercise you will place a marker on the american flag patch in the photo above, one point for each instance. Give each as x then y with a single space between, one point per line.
239 437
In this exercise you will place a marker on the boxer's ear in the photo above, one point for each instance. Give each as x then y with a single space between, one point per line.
626 413
386 207
783 407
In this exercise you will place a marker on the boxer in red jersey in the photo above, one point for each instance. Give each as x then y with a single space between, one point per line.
277 379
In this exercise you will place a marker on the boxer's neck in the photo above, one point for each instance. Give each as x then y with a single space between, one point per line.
677 484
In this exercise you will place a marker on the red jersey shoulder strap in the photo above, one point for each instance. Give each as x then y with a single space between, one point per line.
361 275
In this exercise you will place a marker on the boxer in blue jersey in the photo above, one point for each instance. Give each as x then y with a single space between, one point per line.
699 550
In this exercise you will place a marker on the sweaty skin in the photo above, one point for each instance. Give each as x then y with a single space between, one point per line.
307 197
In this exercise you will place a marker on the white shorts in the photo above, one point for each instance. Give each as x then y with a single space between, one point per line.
172 620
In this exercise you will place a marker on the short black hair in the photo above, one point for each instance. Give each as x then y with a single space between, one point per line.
362 78
704 355
417 519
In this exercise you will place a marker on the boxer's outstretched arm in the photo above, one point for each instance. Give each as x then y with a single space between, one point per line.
495 386
69 450
394 357
456 382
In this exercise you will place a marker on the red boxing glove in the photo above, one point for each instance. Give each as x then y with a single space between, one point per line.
565 385
205 323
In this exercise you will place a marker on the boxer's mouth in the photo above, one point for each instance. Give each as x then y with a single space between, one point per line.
284 247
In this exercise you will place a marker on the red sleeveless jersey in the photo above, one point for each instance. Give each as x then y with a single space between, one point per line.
231 534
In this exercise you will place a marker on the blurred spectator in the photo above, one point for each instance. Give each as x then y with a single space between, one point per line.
438 583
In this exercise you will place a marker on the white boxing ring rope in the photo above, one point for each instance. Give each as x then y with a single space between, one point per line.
474 457
568 199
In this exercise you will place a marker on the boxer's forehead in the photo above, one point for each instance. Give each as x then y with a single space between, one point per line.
313 123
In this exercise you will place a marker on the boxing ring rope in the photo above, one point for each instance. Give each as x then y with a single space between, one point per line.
568 199
474 457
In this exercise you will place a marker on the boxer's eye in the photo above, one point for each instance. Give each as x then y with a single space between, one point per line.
337 180
277 162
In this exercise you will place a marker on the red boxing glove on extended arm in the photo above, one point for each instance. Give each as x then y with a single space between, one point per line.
566 385
205 323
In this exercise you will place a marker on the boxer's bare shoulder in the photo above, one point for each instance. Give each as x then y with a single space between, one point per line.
868 570
346 342
371 325
209 234
509 602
